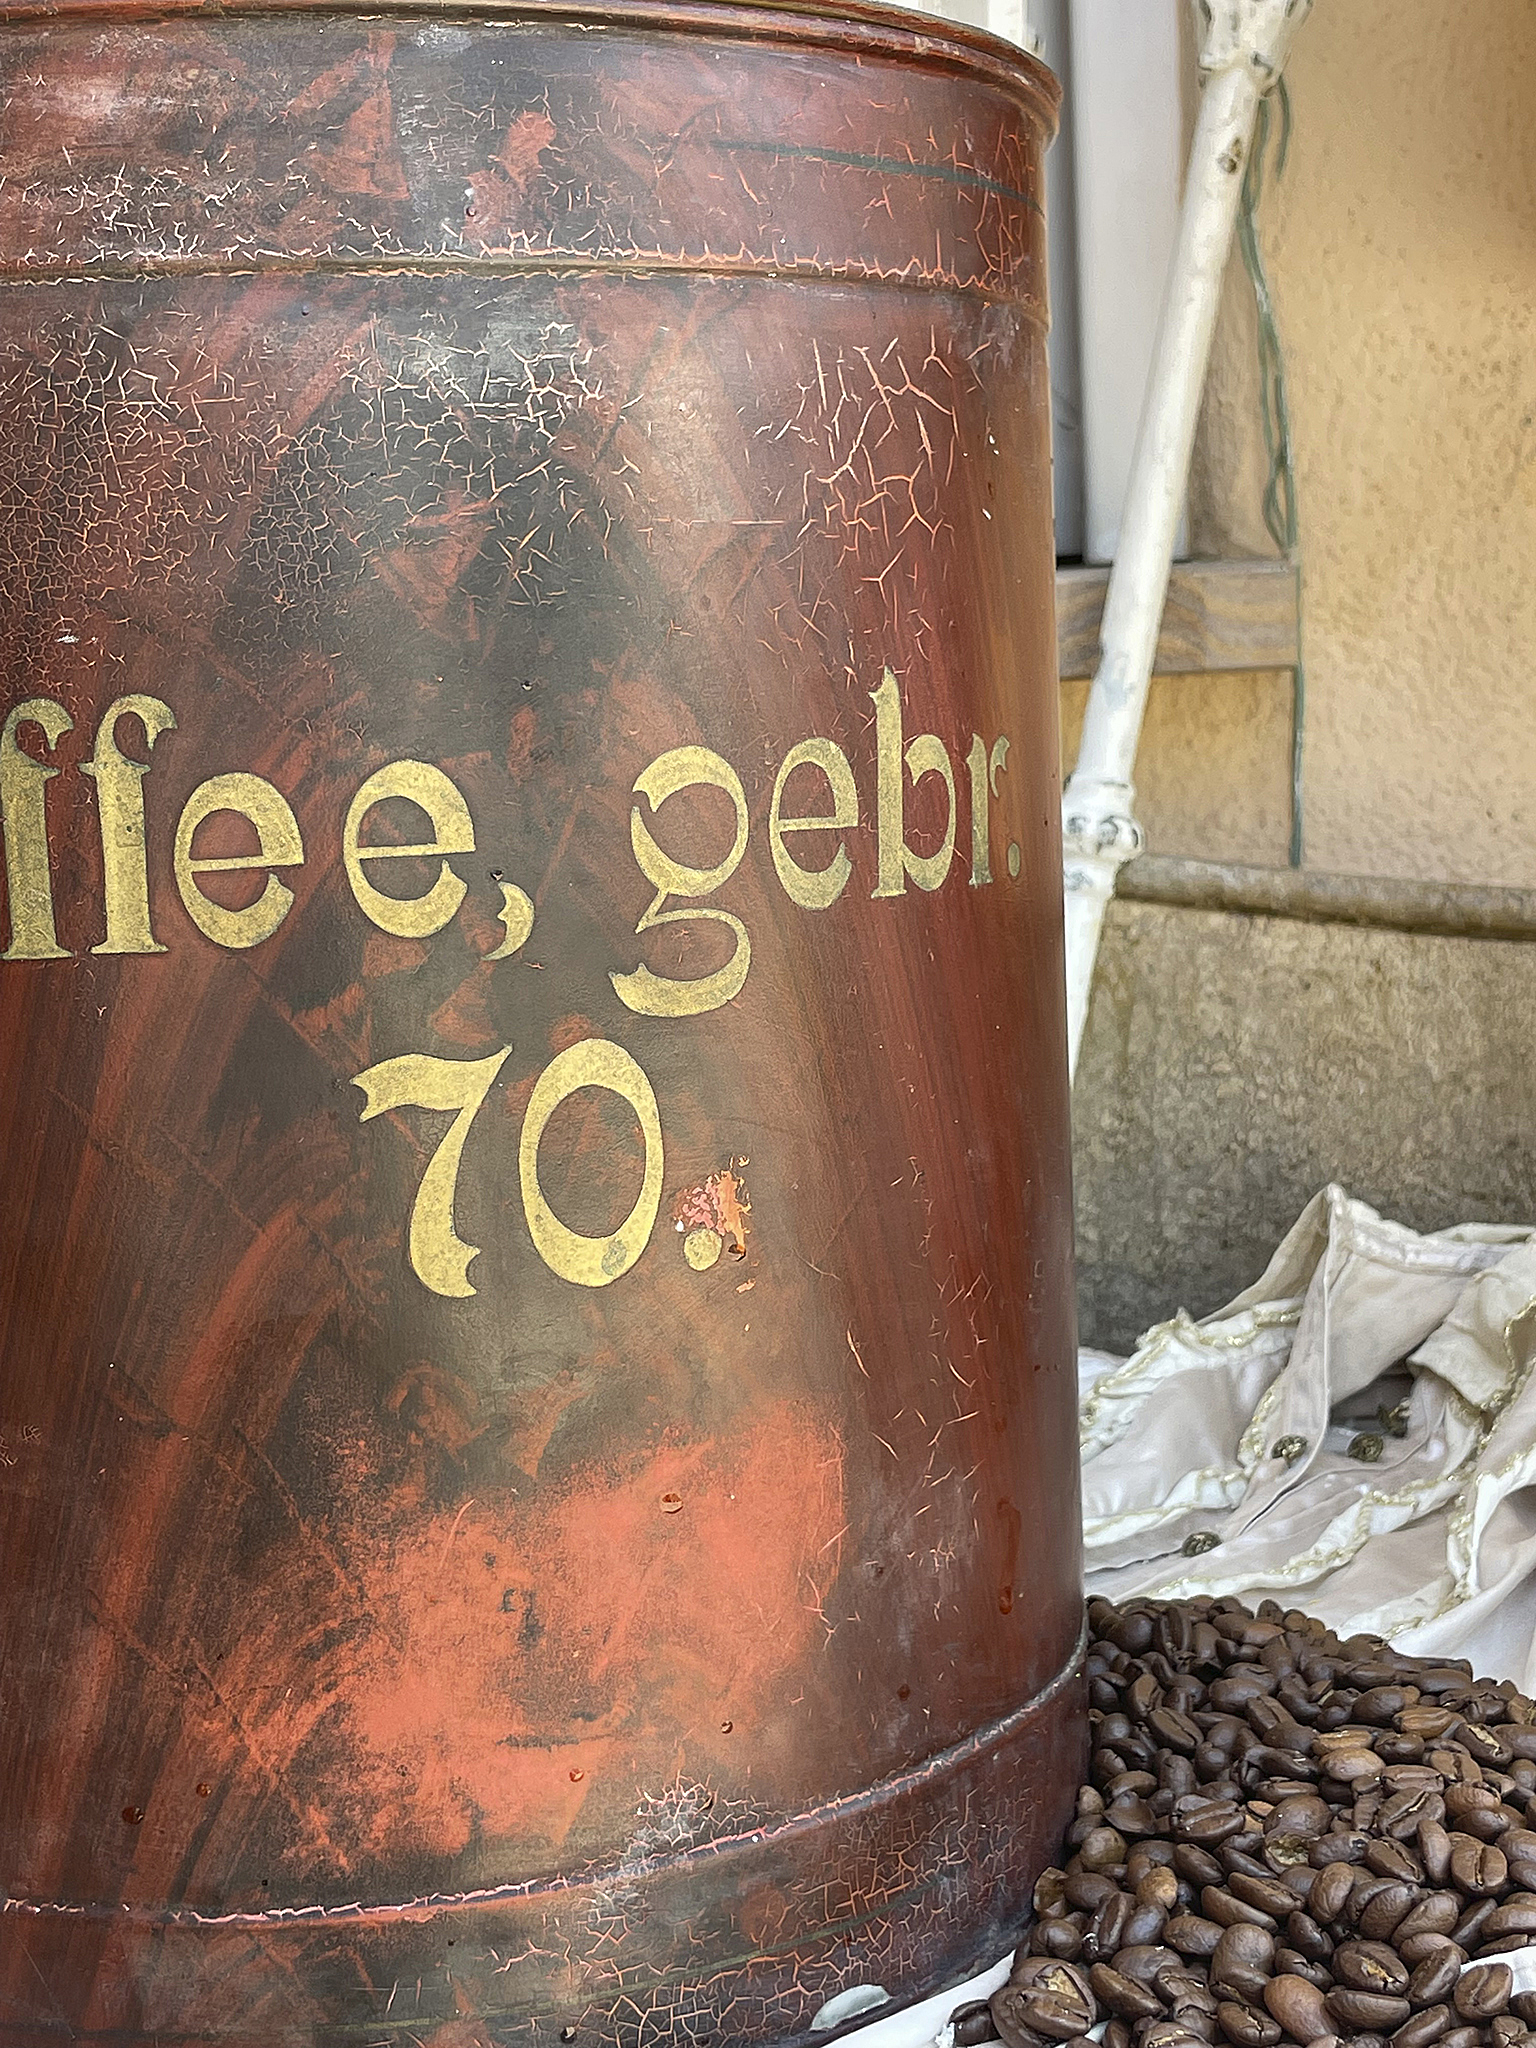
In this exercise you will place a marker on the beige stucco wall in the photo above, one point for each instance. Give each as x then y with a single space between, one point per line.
1233 1065
1401 245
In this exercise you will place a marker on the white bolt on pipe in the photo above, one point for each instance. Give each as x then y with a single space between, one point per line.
1243 48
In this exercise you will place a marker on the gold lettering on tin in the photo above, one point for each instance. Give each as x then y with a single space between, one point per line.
278 846
981 834
516 914
24 818
591 1261
119 783
416 1080
926 755
654 995
983 769
410 917
814 888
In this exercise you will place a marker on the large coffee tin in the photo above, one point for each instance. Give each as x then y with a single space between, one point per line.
537 1459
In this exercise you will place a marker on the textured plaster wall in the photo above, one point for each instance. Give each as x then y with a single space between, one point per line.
1234 1065
1401 245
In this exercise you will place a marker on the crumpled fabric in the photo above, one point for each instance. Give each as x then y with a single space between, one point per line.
1217 1458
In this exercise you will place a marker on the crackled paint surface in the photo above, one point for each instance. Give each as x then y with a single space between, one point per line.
621 1646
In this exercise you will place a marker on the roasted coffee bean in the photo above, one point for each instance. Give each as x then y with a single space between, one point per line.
1506 2031
1385 1910
1391 1859
1244 2027
1380 1705
1173 2033
1403 1813
1191 1935
1142 1962
972 2024
1236 1860
1414 1950
1102 1849
1040 1969
1304 1935
1056 1940
1484 1744
1330 1891
1425 2027
1143 1694
1117 2034
1159 1888
1515 1914
1478 1868
1342 1846
1354 2011
1175 1730
1435 1849
1437 1913
1242 1962
1213 1821
1290 1962
1469 1928
1198 2014
1123 1996
1222 1906
1144 1924
1299 2007
1007 2007
1273 1725
1267 1893
1055 2014
1086 1889
1107 1928
1435 1978
1369 1966
1176 1774
1196 1865
1129 1815
1482 1991
1459 2037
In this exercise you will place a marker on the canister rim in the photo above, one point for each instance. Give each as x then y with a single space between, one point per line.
861 27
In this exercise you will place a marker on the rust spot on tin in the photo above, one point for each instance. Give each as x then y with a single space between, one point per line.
717 1205
133 1815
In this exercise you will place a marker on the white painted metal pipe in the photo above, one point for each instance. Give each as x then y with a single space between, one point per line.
1243 50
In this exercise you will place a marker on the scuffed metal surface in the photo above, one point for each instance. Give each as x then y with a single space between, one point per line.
526 401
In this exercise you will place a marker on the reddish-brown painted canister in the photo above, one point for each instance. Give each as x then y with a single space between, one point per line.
537 1427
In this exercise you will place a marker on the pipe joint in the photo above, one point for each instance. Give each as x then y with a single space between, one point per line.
1099 834
1247 35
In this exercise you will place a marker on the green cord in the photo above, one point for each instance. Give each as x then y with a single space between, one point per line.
1280 487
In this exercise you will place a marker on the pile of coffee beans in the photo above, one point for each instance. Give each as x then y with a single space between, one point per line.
1285 1839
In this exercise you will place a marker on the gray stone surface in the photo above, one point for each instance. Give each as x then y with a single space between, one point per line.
1234 1065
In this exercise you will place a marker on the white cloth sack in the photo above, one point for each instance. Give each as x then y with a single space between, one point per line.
1355 1318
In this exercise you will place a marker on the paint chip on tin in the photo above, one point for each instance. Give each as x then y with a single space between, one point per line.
847 2005
670 1503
